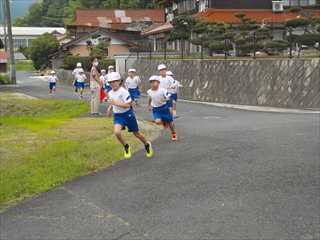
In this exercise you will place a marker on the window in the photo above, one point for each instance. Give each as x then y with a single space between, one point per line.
301 3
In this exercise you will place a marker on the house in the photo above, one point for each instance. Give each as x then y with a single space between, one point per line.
23 36
118 42
270 12
124 20
121 27
3 61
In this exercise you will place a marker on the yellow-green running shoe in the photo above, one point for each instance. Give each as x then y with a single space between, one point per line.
149 150
127 152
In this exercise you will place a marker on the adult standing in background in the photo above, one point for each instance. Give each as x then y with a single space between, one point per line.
95 87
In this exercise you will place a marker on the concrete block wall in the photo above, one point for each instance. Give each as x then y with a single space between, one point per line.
290 83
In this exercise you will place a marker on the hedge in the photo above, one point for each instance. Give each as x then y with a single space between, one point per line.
70 62
4 79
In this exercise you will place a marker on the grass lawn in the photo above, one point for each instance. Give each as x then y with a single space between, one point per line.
44 143
25 65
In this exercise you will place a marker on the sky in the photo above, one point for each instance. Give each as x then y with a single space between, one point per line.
18 7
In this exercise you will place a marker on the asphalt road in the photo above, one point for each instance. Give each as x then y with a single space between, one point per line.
232 175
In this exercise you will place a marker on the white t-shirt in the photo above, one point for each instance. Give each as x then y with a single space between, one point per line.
81 78
121 95
53 79
76 72
132 83
104 79
174 87
158 97
166 82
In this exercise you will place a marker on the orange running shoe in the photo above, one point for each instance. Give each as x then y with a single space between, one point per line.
174 137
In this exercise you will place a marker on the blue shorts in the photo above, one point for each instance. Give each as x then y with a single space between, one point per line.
80 85
169 103
52 85
107 88
134 93
174 97
75 83
126 119
162 113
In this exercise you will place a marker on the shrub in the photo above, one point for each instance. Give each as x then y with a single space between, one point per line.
41 48
4 79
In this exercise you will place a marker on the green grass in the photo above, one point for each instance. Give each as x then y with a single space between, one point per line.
44 143
25 65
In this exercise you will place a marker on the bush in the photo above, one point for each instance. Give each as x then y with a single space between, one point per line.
40 50
70 62
4 79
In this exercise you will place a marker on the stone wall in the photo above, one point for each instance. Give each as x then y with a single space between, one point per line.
292 83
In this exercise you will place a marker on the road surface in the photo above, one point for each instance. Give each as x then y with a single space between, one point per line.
233 174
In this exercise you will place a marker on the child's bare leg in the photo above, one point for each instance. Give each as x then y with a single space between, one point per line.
158 121
141 137
117 133
172 127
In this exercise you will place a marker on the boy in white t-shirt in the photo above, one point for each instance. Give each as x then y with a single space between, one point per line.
120 103
132 83
157 102
52 82
81 79
75 74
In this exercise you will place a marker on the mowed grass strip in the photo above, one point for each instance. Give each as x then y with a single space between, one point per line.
44 143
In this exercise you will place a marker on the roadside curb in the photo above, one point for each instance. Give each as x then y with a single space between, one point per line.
254 108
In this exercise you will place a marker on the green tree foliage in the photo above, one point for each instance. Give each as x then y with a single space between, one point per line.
41 48
100 50
311 32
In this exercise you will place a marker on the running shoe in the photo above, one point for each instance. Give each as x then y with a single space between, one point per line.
127 152
149 150
174 137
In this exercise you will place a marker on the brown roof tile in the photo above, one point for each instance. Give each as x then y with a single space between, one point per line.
116 18
228 15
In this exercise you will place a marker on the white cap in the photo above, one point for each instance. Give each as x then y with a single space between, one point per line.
132 70
114 76
103 70
52 72
169 73
79 64
161 67
111 67
154 78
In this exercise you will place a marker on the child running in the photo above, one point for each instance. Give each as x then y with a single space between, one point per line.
174 93
157 102
81 78
52 82
120 102
104 82
75 74
132 83
166 82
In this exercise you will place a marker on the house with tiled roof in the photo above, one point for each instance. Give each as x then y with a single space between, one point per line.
122 27
274 12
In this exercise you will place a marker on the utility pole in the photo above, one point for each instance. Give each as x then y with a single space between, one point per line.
10 41
3 9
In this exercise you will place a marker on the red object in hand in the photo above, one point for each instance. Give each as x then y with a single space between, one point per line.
102 95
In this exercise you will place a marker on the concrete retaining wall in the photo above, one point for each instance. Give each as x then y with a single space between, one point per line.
287 83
